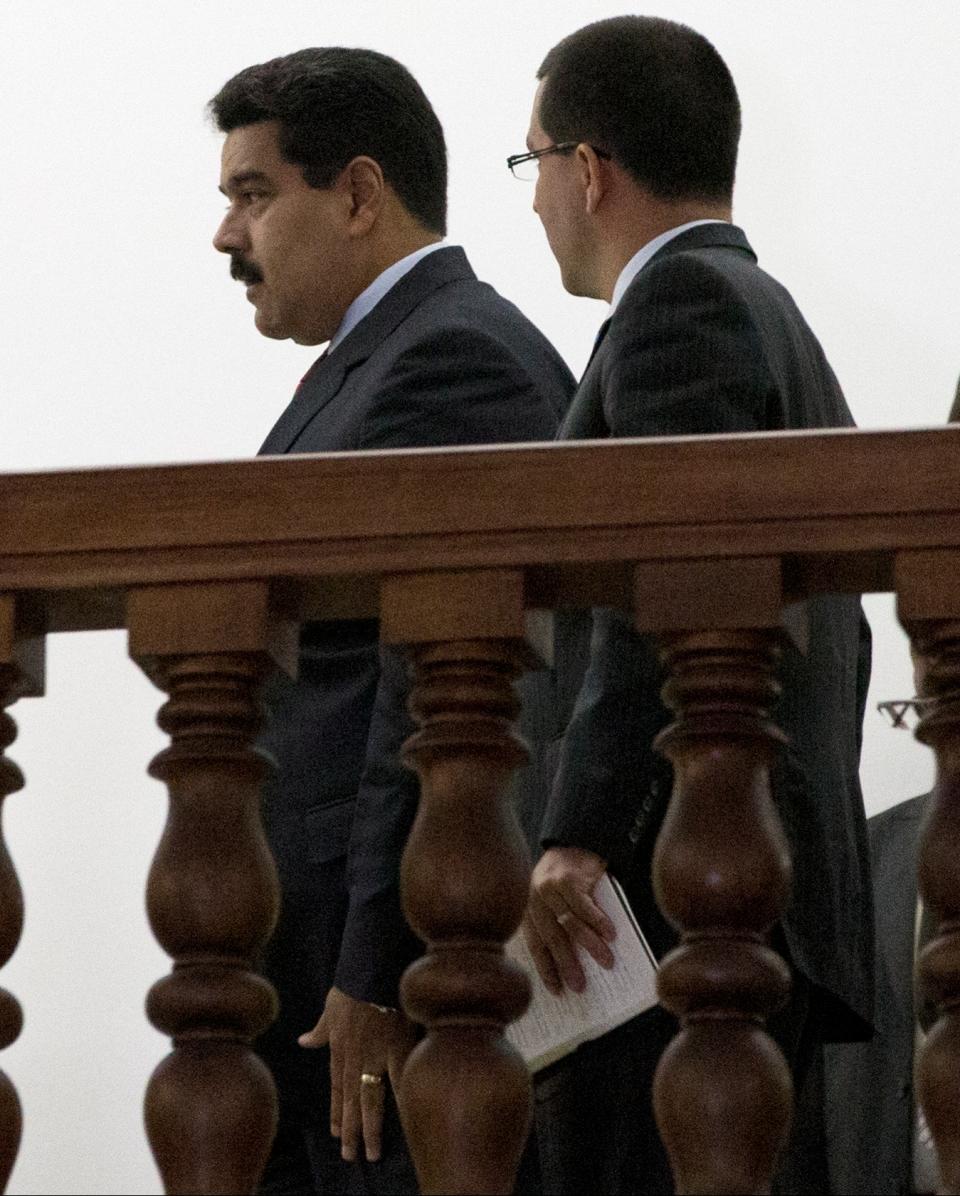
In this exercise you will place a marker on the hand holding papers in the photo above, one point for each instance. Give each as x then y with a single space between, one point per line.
553 1026
563 919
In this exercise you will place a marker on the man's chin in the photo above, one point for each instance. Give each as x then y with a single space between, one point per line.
570 277
277 329
267 327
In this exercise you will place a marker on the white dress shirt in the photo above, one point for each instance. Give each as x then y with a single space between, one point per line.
644 254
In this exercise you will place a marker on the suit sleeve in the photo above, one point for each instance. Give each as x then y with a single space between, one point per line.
611 787
448 390
377 943
683 358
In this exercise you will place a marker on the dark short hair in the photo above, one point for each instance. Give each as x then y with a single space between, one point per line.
655 95
334 104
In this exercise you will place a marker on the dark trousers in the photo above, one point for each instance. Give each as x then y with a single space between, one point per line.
594 1111
305 1161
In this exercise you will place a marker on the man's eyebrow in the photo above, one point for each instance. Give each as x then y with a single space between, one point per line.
241 179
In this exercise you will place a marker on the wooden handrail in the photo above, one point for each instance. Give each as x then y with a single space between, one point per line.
213 566
840 503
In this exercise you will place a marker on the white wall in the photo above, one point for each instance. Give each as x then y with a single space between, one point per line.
124 340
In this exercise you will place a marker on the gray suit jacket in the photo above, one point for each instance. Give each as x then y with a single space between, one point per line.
441 360
869 1085
704 341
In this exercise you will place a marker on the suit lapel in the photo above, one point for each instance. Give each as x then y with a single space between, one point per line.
326 376
320 383
579 421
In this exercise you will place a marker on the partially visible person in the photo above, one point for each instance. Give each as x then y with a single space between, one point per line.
334 169
634 137
877 1143
876 1136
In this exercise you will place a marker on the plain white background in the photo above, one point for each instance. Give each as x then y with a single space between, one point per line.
125 341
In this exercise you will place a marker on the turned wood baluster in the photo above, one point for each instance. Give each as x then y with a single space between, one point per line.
11 924
938 1065
20 672
212 893
721 871
465 1093
928 603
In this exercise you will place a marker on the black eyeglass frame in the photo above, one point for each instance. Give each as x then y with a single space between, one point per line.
561 147
898 711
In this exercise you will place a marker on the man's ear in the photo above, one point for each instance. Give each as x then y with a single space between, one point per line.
592 176
363 186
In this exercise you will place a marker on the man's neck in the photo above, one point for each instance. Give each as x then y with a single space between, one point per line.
393 250
643 225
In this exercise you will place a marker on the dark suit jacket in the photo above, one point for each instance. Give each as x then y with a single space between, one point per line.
869 1085
441 360
704 341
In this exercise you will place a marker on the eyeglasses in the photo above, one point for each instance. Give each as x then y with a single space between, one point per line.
526 166
904 713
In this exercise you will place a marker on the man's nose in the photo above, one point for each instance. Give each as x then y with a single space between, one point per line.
229 237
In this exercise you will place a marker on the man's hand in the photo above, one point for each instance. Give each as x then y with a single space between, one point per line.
363 1041
562 915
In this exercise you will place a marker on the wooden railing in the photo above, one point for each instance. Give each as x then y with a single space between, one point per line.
212 568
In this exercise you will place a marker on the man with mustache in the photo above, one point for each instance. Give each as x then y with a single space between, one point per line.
633 143
334 168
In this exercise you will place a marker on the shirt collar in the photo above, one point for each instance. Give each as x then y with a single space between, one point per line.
645 253
368 299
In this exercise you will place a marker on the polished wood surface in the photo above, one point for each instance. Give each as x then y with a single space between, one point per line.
212 894
465 1097
928 591
937 1065
11 897
722 1092
821 501
21 673
463 553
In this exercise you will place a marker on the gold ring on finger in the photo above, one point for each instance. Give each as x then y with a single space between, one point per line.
370 1080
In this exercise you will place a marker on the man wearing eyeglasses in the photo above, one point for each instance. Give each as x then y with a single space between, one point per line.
633 143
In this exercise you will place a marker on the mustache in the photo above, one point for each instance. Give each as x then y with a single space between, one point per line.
244 271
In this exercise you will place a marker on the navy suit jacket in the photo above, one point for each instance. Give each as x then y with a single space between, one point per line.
704 341
441 360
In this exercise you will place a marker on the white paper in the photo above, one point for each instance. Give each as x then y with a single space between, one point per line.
554 1026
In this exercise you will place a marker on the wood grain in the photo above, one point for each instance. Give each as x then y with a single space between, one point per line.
465 1098
21 671
936 644
212 894
836 506
722 1091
